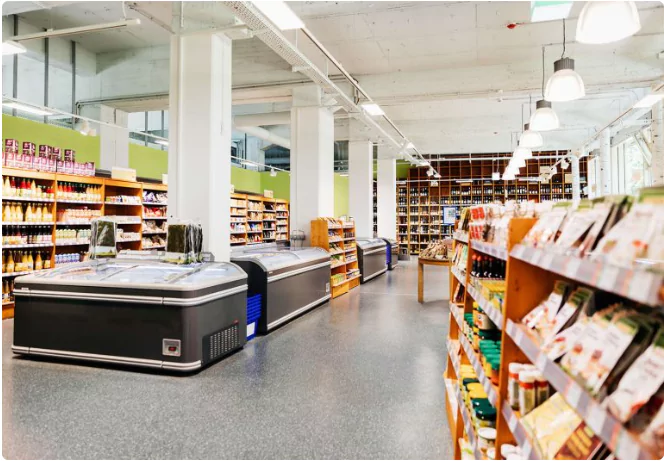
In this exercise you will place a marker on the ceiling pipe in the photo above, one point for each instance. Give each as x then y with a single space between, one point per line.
265 135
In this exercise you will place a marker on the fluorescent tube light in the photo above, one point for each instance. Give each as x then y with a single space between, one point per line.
280 14
373 109
163 142
649 101
79 30
26 108
12 47
603 22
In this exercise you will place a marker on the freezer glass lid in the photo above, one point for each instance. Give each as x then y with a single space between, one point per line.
137 273
275 258
365 243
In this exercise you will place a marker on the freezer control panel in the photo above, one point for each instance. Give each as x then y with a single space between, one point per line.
171 347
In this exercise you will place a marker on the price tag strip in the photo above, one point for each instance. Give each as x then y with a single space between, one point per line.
468 426
519 432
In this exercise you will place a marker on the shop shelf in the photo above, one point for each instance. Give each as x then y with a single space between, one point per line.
519 432
461 236
166 204
354 277
73 223
15 274
28 223
71 243
154 218
490 249
459 275
457 313
637 285
494 314
152 247
468 426
122 204
27 245
28 199
80 202
620 441
154 232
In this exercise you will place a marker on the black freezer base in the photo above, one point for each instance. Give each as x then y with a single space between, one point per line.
176 334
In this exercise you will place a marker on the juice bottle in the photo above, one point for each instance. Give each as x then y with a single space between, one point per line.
47 262
33 188
10 264
6 213
6 187
39 264
29 216
30 262
38 214
24 261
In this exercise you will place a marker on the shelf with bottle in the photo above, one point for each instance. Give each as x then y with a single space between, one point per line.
72 236
19 262
27 213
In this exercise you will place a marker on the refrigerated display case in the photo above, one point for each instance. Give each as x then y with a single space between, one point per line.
290 280
391 253
142 313
372 255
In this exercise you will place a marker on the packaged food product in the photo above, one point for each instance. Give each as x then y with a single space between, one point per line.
527 392
513 384
486 438
184 242
103 238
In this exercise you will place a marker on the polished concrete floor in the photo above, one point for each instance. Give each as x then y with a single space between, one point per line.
359 377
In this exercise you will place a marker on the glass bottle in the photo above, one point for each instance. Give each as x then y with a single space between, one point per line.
10 264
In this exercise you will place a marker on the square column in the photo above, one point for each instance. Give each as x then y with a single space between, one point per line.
658 144
605 163
360 186
312 160
387 197
199 154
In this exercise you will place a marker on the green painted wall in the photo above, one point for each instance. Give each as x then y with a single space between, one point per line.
402 170
280 184
340 195
148 162
87 147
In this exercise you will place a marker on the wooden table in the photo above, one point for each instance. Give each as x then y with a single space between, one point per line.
421 262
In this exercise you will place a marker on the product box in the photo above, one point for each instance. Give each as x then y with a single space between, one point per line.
69 168
10 159
52 166
60 166
44 151
43 163
29 148
27 161
70 155
11 145
55 153
90 168
78 170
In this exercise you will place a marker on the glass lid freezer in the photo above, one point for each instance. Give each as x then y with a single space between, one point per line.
138 274
367 243
273 258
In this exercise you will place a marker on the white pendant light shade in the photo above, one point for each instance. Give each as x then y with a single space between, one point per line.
544 118
517 162
607 22
565 84
523 152
530 139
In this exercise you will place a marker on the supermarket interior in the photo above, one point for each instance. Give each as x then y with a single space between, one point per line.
333 230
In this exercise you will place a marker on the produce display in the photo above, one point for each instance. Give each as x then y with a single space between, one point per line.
438 250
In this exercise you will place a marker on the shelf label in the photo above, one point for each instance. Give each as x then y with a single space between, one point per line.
641 286
572 267
541 361
596 419
511 422
547 260
626 448
526 448
573 394
608 277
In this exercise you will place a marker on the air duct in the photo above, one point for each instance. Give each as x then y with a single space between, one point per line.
272 118
265 135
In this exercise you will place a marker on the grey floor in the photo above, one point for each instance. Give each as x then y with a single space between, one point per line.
359 377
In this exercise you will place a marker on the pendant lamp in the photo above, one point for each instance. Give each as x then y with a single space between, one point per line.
544 118
607 22
517 162
565 84
529 138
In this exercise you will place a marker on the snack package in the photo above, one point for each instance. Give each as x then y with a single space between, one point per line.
102 238
546 228
575 228
579 300
641 381
630 238
184 242
547 309
649 422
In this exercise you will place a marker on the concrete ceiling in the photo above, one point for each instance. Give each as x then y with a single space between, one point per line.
451 75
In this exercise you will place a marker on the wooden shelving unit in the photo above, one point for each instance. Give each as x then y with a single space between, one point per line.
153 231
238 219
338 238
375 207
530 276
420 204
269 220
283 233
133 210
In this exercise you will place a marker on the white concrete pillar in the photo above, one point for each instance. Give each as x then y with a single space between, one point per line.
387 197
360 186
113 140
312 160
199 163
605 163
658 144
576 178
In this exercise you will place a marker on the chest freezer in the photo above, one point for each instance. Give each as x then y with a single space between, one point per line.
290 281
372 257
133 312
392 253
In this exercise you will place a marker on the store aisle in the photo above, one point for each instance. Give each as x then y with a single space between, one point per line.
360 377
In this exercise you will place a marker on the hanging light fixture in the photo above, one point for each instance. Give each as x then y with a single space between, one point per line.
607 22
523 153
530 139
565 84
517 162
544 118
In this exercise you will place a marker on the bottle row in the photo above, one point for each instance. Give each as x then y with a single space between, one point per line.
14 235
18 212
25 188
21 261
78 215
487 267
79 192
7 291
68 258
71 236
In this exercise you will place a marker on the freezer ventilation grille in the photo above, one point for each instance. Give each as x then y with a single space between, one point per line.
221 343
